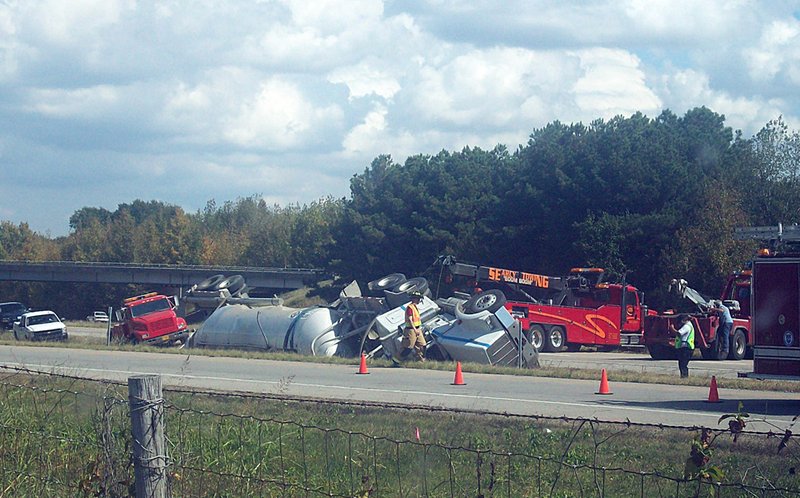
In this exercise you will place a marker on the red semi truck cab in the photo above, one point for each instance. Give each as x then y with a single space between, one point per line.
149 318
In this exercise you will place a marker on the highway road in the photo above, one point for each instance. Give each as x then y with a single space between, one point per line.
633 360
647 403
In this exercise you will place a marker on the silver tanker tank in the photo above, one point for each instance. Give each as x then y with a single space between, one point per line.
311 331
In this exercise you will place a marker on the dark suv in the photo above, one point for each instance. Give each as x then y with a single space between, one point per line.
10 312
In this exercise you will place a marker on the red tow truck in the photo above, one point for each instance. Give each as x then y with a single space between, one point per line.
567 312
735 295
149 318
775 301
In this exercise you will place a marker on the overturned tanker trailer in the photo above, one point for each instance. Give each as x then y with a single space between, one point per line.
466 328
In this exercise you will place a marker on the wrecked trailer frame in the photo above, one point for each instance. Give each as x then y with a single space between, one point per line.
373 325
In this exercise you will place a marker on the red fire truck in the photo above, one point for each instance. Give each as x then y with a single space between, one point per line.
556 313
775 301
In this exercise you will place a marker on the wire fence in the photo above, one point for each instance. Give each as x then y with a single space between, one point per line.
62 436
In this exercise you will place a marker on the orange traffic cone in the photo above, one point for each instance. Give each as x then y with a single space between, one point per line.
362 369
459 380
713 395
604 384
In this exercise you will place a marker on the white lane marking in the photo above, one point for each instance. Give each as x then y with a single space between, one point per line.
376 390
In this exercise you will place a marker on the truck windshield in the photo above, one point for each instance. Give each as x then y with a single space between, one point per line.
38 320
12 308
150 307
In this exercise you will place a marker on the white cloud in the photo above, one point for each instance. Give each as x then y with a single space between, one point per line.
72 22
335 16
366 78
612 83
777 49
487 87
278 117
688 89
81 103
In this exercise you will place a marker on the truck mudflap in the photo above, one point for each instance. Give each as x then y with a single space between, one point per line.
168 339
631 340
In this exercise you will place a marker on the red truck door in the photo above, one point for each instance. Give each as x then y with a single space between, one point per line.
776 316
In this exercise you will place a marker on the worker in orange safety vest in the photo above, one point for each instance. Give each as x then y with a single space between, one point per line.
413 338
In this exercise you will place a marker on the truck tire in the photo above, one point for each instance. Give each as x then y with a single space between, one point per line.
556 339
661 352
738 347
491 300
714 352
416 284
209 283
535 336
388 282
233 284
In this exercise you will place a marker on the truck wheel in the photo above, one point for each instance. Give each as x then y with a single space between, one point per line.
556 338
491 300
209 283
715 352
738 345
233 284
661 352
388 282
536 337
416 284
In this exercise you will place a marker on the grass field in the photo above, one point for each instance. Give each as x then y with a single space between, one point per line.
62 437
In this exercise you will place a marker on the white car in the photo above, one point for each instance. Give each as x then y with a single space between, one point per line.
40 326
98 316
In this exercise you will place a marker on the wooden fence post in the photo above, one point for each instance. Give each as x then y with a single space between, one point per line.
149 445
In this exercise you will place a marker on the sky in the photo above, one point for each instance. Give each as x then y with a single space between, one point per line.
103 102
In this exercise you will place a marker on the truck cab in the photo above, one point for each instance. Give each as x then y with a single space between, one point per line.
735 295
149 318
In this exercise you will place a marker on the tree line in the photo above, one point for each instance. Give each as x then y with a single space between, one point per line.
649 198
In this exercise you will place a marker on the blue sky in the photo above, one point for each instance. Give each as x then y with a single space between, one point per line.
107 101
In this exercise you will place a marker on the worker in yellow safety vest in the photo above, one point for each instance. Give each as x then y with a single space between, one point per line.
684 342
413 338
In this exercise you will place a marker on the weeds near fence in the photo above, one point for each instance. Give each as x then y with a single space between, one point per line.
72 437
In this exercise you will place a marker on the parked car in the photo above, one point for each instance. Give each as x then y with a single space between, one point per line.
10 313
98 316
40 326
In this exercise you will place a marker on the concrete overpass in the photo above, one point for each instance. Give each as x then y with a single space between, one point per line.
137 273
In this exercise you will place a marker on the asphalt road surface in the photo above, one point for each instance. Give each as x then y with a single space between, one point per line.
634 360
647 403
